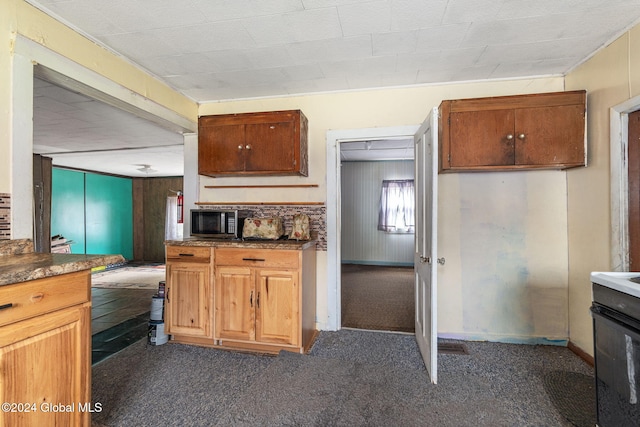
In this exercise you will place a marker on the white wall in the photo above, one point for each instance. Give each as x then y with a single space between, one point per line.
362 242
516 290
503 235
611 77
502 293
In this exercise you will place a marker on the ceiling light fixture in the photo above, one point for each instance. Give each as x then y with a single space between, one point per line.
146 169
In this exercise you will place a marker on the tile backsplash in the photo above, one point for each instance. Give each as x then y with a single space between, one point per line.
317 217
5 216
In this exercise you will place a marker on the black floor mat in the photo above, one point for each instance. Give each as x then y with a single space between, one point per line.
114 339
574 395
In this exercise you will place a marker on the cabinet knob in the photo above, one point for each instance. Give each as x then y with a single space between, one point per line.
521 136
248 147
509 137
239 147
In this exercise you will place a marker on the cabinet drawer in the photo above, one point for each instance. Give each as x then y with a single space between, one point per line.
188 254
35 297
257 257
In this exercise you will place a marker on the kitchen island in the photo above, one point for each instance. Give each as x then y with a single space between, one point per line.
253 295
45 335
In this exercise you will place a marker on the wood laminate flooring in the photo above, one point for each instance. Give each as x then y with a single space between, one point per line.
119 317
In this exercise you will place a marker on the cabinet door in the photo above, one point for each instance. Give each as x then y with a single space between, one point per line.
235 302
221 149
481 138
269 147
550 136
187 305
277 307
46 360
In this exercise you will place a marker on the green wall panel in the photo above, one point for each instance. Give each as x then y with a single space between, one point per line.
67 207
109 215
93 210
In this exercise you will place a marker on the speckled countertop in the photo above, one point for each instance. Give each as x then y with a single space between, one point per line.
283 244
18 262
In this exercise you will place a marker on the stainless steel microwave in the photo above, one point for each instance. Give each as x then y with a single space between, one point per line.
222 224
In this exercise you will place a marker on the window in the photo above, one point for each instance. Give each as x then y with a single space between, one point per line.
397 203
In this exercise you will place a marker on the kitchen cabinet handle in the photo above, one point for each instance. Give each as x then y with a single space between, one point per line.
521 136
251 299
3 306
239 147
248 147
258 300
509 137
254 259
185 254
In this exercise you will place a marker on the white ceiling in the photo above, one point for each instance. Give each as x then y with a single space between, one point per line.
212 50
79 132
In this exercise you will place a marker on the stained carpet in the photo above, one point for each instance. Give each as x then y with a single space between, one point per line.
379 298
350 378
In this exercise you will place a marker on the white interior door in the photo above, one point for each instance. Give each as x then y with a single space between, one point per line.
425 259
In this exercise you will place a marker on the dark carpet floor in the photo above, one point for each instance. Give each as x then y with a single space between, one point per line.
350 378
379 298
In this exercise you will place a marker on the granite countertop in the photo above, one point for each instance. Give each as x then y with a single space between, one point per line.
283 244
22 267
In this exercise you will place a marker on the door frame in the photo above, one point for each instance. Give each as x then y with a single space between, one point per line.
619 143
332 321
29 55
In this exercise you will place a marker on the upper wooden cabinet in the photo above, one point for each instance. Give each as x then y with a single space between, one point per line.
268 143
540 131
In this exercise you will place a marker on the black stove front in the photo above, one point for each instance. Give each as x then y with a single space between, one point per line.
616 328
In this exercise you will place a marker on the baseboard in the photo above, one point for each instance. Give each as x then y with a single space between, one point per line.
581 353
507 339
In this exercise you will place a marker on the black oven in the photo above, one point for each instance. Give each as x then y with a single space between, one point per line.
616 328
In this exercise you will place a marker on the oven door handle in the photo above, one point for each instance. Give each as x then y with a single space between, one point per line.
616 321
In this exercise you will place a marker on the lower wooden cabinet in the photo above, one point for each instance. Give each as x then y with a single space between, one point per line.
265 299
188 294
242 298
45 352
257 305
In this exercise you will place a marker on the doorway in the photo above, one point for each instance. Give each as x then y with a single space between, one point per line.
634 190
333 316
622 182
376 266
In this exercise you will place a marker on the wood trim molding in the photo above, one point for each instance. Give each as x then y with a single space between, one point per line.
581 353
264 186
260 203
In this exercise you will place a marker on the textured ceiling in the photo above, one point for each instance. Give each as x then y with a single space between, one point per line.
229 49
